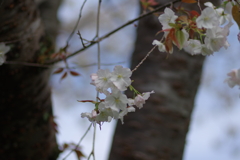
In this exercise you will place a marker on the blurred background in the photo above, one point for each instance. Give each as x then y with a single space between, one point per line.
215 129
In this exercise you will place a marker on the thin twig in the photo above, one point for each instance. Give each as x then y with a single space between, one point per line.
94 138
27 64
79 141
80 36
139 64
102 64
117 29
76 25
48 66
99 66
97 33
199 5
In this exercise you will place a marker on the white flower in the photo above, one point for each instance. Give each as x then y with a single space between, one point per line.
130 102
116 100
207 19
125 112
225 31
161 46
234 78
3 50
139 100
121 77
102 80
193 47
166 18
215 39
209 4
206 51
228 7
106 115
223 17
91 116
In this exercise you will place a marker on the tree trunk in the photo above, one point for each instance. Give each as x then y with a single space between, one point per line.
159 129
27 130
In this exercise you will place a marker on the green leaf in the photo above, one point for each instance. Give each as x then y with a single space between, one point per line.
173 25
180 38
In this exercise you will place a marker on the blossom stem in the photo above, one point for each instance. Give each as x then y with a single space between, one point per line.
75 27
79 141
94 137
199 5
139 64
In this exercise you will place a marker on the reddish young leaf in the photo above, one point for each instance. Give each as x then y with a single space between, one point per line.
54 55
65 146
168 45
165 30
64 76
79 154
183 18
194 14
54 124
59 70
152 2
189 1
73 73
148 3
172 36
191 33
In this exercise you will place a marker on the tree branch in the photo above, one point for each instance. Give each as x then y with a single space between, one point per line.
117 29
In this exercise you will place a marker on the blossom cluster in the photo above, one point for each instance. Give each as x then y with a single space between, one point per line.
116 104
196 33
234 78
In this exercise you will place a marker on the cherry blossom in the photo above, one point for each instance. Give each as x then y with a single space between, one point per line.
209 4
116 104
91 116
193 47
207 19
125 112
139 100
223 17
215 39
166 18
234 78
116 100
101 80
161 46
206 51
121 77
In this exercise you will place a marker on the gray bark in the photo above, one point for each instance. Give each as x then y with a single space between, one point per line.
159 129
27 128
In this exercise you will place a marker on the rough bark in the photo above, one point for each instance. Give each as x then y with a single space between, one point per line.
159 129
27 130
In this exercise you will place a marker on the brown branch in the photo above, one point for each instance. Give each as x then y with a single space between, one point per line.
140 63
79 17
28 64
117 29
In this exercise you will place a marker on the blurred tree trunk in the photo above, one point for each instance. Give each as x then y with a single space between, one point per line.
27 128
158 131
